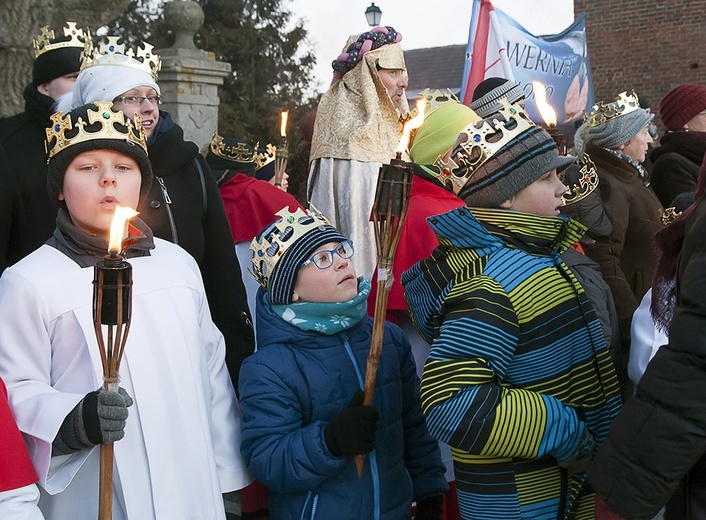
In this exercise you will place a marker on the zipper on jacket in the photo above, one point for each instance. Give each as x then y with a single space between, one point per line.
167 207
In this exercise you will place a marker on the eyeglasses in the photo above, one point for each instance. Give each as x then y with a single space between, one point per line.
138 100
324 259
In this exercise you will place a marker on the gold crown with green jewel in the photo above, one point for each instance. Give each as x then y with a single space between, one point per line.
114 53
64 133
479 142
44 41
279 237
601 113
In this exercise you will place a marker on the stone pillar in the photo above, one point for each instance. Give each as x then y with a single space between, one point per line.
190 77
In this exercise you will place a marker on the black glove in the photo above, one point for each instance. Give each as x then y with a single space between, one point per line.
102 416
431 508
352 431
581 458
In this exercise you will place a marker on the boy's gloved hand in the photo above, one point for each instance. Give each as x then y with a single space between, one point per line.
431 508
352 431
102 416
583 455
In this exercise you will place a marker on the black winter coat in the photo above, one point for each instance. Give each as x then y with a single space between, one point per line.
660 434
196 220
10 212
676 164
22 136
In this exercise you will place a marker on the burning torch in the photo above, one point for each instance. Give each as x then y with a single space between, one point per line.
112 308
388 215
282 152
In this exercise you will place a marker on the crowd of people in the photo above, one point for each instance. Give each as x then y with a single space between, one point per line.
542 343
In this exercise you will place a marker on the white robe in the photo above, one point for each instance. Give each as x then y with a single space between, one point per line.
182 436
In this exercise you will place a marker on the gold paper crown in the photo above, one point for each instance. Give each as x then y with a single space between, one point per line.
482 141
113 53
242 153
43 42
57 140
437 99
669 215
279 237
587 181
600 113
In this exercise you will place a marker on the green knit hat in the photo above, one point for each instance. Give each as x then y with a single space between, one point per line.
439 132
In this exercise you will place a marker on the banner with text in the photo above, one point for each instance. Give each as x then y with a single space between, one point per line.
498 46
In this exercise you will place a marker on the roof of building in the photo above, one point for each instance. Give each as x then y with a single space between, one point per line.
435 67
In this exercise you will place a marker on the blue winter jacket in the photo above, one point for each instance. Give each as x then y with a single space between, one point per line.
295 384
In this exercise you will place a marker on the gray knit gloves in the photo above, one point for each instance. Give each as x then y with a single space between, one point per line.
99 418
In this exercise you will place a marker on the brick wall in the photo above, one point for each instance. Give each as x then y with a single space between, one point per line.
649 46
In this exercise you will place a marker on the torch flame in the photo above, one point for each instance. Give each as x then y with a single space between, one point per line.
118 228
283 124
545 109
410 125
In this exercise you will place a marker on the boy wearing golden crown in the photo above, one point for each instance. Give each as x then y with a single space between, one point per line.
56 65
183 204
303 417
518 380
175 420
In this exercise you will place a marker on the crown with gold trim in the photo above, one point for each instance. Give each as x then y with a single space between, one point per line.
114 53
242 152
580 187
479 142
63 133
669 215
600 113
279 237
44 41
437 99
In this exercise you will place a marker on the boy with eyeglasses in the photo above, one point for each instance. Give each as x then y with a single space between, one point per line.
301 395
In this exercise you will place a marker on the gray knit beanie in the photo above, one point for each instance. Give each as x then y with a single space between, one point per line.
617 131
514 167
489 91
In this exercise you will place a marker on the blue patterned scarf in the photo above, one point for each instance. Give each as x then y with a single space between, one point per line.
326 318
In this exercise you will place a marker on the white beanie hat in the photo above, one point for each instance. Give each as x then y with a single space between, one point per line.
105 82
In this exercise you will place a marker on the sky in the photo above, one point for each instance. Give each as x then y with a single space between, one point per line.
430 23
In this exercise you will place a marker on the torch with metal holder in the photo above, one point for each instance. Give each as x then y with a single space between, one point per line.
388 215
282 152
112 309
549 116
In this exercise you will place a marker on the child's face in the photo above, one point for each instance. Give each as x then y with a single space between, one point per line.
542 197
338 283
95 182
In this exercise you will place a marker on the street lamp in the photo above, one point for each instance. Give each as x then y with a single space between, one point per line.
373 15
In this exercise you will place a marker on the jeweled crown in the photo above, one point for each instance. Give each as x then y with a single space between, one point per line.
279 237
114 53
242 153
44 41
478 143
600 113
62 126
437 99
586 182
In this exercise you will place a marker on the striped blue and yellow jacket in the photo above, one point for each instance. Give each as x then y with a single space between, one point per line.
518 365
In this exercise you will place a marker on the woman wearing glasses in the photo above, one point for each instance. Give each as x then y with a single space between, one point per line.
184 205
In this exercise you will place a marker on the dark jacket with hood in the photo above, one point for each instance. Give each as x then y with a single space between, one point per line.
184 206
676 164
295 384
660 434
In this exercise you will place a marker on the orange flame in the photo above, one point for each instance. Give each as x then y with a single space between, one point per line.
118 228
283 123
410 125
545 109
